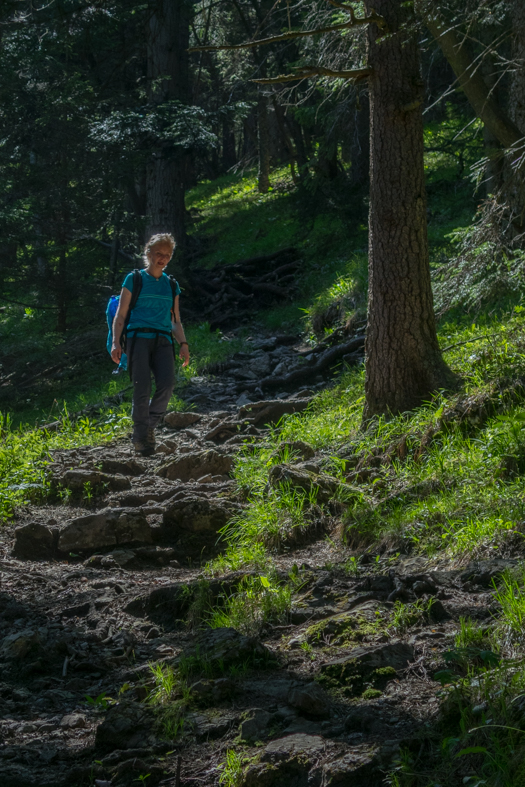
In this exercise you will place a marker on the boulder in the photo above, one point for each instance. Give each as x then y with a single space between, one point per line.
196 515
181 420
18 646
35 541
261 364
254 726
195 466
76 480
302 759
310 700
372 665
127 725
210 692
122 467
283 748
209 725
287 760
359 768
107 528
228 646
74 721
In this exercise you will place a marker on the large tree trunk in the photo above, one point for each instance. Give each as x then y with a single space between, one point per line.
403 360
62 288
360 147
493 150
470 78
514 168
263 142
507 128
168 42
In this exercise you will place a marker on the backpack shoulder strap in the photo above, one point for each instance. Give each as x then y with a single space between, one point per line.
137 287
174 287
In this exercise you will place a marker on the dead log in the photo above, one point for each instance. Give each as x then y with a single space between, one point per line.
270 412
271 288
283 269
325 360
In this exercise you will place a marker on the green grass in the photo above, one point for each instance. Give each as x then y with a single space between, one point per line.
256 602
448 477
511 597
26 453
170 696
233 768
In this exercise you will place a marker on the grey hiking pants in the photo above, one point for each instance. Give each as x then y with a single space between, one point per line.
150 355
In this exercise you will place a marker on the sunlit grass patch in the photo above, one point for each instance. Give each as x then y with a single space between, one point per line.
470 634
25 453
510 594
241 221
170 696
256 602
272 518
343 297
450 472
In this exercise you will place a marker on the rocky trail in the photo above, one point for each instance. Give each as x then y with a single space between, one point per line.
109 580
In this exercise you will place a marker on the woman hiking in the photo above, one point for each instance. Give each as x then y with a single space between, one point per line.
152 324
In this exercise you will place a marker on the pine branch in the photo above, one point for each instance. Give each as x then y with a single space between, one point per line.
354 22
373 18
305 72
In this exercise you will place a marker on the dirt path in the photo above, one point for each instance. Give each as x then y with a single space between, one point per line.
108 581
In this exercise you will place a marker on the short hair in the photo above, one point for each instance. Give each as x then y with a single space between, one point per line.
162 239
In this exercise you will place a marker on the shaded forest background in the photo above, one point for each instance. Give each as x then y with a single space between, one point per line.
113 129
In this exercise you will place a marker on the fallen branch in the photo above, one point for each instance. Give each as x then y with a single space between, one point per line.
326 359
468 341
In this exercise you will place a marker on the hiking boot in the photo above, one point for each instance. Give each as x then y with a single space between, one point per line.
143 447
151 438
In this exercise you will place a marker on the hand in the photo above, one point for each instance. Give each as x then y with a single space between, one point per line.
116 353
184 355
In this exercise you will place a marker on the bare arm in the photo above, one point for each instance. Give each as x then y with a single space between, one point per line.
118 323
178 333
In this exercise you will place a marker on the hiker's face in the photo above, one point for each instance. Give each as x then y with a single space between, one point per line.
159 257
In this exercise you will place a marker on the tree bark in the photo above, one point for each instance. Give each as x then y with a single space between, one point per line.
229 157
514 167
263 141
168 78
62 288
403 363
469 76
360 148
493 150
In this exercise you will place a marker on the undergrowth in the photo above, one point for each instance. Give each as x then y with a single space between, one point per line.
26 453
448 476
256 602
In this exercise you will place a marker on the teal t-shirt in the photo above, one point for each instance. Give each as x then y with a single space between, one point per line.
153 306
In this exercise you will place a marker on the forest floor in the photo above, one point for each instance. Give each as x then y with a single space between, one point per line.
140 641
278 596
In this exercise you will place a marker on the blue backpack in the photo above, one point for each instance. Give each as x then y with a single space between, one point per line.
111 311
